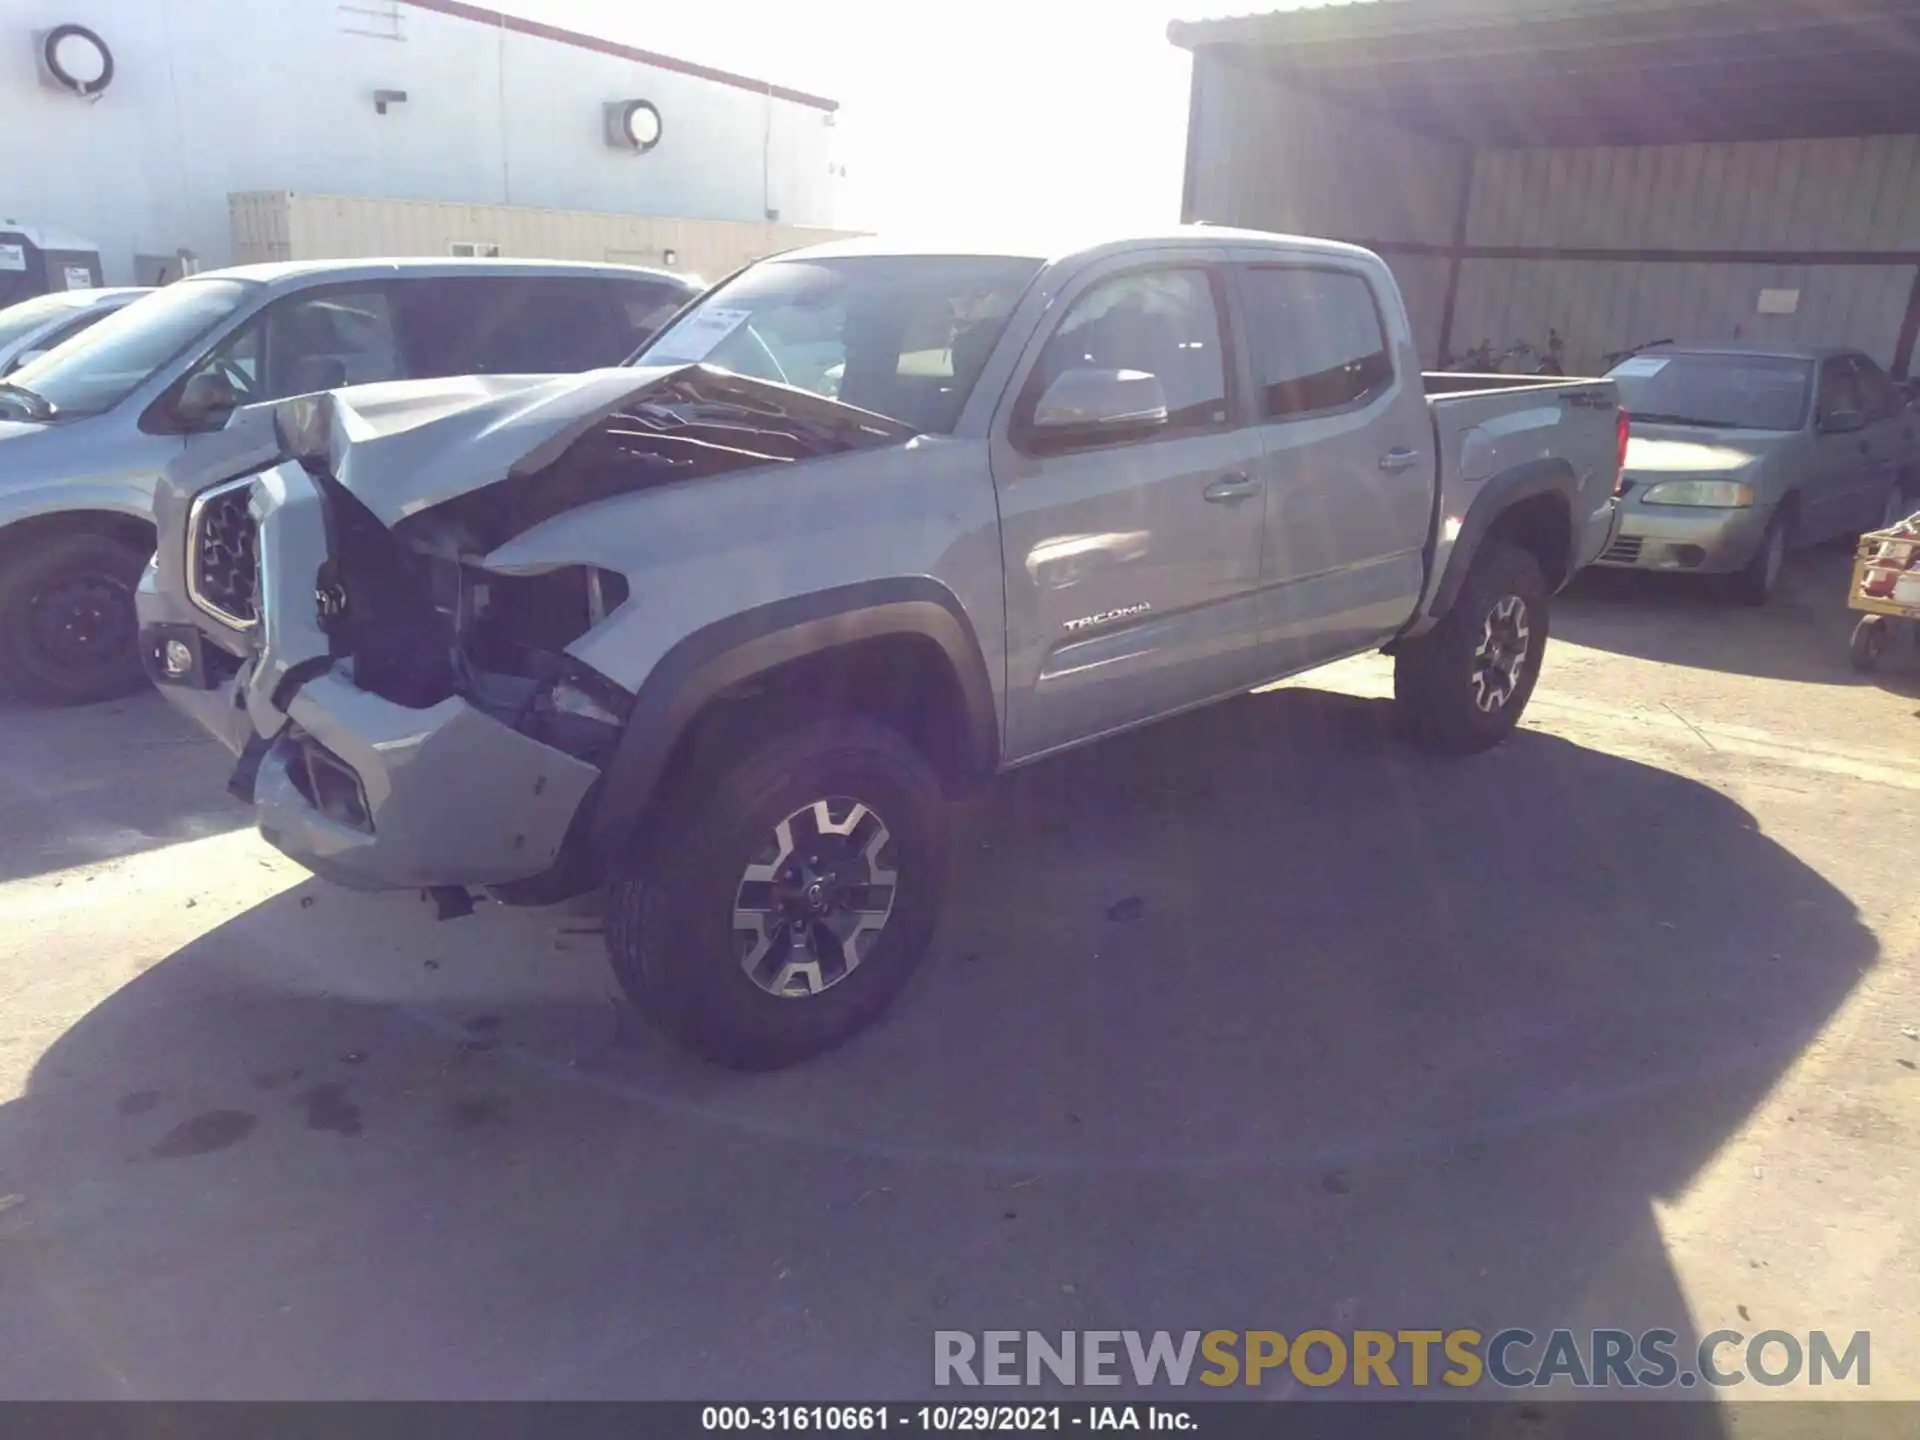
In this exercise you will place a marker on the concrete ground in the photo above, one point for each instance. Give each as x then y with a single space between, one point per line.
1255 1019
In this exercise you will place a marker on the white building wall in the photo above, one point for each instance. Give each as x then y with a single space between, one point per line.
212 97
276 225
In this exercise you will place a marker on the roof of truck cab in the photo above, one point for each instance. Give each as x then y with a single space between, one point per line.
283 272
1049 246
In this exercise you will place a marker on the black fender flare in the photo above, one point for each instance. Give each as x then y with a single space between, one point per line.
708 661
1497 495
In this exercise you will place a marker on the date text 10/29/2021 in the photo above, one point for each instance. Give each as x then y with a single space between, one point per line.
944 1419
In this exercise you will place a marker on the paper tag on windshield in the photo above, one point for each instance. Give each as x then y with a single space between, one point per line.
693 338
13 257
1640 367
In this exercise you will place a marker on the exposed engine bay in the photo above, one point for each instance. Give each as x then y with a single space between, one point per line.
409 603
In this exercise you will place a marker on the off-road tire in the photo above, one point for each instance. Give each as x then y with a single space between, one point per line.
670 910
1434 677
57 588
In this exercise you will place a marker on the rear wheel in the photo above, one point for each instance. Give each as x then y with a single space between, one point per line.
783 904
1463 686
67 628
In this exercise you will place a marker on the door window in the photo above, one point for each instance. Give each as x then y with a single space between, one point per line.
524 324
317 340
1316 340
1877 395
1838 391
1163 322
328 339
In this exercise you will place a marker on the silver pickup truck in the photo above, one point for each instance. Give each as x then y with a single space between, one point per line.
720 631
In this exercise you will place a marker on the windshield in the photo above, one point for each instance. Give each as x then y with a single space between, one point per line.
102 365
1725 392
904 337
28 316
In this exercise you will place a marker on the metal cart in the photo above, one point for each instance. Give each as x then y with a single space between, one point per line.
1886 587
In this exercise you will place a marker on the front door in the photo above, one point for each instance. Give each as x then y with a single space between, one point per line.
1132 562
1890 435
1842 458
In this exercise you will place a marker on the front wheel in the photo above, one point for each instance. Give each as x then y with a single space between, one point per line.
1463 686
67 628
779 908
1758 582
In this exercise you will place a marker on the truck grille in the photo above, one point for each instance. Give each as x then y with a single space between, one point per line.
1623 551
223 554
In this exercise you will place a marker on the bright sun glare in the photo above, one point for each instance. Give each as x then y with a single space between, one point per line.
1046 114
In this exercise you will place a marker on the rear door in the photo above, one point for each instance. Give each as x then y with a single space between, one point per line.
1132 568
1347 456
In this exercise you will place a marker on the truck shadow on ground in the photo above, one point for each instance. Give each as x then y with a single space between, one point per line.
96 782
1689 620
1255 1019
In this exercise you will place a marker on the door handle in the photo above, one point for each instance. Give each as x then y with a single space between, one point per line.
1394 461
1232 489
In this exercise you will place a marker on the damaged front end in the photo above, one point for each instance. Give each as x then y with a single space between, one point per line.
408 711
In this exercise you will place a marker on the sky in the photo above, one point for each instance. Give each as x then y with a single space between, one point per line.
1049 113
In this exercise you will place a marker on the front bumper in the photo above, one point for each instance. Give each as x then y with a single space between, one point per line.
1682 537
363 791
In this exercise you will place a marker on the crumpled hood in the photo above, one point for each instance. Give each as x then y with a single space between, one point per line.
407 446
1672 450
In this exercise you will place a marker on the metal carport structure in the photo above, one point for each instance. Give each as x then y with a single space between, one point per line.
1617 170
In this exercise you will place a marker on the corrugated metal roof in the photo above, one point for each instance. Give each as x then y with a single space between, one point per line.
1568 72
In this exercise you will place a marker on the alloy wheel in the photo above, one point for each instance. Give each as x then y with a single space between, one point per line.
815 898
1506 638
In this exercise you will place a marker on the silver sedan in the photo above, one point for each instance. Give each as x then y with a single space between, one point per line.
1741 452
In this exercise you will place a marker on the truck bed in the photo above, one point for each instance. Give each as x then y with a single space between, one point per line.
1493 425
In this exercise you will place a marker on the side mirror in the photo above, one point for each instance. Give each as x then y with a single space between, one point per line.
205 401
1100 405
1842 422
